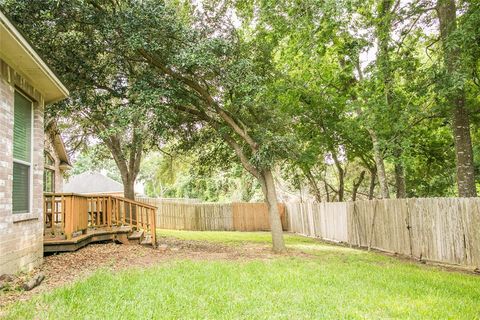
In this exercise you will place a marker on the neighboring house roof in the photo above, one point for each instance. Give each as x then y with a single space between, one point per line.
19 54
52 130
92 182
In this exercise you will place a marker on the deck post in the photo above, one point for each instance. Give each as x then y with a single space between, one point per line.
130 213
153 229
83 212
45 214
109 212
116 211
121 205
53 208
67 221
138 211
97 209
115 216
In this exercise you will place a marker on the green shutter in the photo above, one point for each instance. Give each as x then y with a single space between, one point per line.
22 142
22 128
21 188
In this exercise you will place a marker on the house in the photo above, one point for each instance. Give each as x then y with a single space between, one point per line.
56 160
93 183
26 85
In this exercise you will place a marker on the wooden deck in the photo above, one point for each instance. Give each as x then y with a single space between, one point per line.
72 221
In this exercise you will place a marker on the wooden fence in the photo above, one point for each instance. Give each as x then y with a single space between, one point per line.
444 230
325 220
155 201
237 216
254 216
190 216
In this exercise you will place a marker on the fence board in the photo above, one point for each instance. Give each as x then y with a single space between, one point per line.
436 229
326 220
249 216
241 216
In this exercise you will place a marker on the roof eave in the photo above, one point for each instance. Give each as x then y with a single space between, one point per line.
19 54
58 144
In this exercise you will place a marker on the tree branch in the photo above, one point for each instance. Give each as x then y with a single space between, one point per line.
204 94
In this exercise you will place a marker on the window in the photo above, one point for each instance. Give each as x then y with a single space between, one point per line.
49 162
49 174
22 157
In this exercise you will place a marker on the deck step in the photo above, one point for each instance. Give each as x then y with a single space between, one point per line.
93 235
147 240
136 236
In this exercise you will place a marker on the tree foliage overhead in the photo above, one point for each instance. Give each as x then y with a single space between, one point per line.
368 78
350 99
105 106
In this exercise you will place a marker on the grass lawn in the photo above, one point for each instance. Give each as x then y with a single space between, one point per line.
233 238
331 282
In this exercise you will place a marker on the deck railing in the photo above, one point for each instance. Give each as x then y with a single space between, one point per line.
65 213
70 213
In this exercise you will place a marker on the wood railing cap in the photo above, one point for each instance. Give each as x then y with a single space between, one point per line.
142 204
58 194
99 195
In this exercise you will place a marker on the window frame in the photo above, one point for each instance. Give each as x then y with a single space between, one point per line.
48 156
48 167
29 164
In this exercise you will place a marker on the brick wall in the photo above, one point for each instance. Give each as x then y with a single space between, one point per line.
21 235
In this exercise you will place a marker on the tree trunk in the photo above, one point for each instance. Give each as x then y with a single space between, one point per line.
383 32
341 184
246 189
341 177
268 187
128 169
381 174
129 193
129 187
313 185
400 175
384 29
265 178
371 191
327 192
463 152
357 184
456 98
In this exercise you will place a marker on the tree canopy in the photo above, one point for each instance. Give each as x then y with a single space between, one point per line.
350 99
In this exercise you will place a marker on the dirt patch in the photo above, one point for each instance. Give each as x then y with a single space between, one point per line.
66 268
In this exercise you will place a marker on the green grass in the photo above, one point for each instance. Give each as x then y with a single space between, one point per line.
335 283
233 237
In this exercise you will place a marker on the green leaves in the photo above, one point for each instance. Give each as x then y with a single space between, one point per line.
284 82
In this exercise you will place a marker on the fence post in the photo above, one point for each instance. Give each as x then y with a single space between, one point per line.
372 226
409 228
